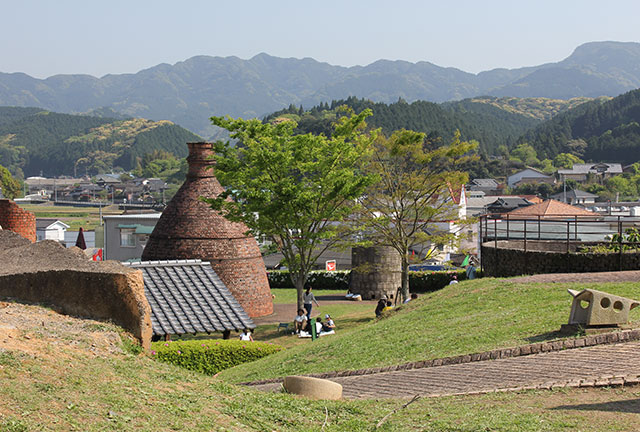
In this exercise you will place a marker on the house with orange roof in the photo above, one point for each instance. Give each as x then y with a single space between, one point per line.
552 209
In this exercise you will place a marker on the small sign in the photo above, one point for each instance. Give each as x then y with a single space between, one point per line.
331 265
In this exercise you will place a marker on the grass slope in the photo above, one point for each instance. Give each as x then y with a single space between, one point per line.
468 317
59 373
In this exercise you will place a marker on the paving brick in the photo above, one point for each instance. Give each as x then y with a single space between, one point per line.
612 364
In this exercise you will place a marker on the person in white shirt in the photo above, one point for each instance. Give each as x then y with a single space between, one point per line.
300 321
454 280
246 335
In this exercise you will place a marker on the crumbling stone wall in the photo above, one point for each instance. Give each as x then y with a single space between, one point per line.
14 218
377 272
510 259
48 273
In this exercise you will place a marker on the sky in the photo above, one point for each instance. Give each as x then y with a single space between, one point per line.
45 37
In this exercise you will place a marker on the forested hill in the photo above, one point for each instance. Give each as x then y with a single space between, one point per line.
33 141
490 125
599 130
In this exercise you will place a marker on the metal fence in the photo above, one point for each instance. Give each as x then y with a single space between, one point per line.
567 233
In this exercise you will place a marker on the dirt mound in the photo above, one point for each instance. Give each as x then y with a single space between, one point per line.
9 239
39 331
47 255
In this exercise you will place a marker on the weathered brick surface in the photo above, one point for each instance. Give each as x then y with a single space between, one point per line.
189 228
14 218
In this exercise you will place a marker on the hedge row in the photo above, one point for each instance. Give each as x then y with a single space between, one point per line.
318 279
419 281
211 356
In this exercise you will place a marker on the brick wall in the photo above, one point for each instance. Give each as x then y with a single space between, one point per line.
14 218
510 259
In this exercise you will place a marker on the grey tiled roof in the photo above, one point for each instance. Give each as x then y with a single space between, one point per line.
574 194
187 296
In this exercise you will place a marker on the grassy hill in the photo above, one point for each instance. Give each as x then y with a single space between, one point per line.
33 141
59 373
469 317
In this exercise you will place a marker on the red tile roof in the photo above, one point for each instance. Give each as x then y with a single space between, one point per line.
552 208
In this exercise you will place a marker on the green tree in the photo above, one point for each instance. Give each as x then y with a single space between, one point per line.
416 176
295 189
566 160
526 154
11 187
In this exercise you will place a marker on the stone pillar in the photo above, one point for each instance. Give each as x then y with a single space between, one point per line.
376 271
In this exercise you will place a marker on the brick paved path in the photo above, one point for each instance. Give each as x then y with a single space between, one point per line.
598 277
596 365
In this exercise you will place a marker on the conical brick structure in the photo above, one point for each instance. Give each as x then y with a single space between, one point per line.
190 229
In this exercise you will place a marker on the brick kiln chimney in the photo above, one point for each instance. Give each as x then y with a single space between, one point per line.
18 220
189 228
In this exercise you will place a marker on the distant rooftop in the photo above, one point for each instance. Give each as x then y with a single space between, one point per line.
594 168
551 208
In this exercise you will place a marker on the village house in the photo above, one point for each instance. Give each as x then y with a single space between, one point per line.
529 176
575 196
50 229
580 172
125 236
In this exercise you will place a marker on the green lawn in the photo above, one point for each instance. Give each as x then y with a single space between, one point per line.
76 217
57 387
63 392
346 316
468 317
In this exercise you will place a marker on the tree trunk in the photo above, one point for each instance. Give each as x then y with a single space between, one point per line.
405 277
300 291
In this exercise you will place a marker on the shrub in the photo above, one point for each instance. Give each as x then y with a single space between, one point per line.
211 356
318 279
427 281
419 281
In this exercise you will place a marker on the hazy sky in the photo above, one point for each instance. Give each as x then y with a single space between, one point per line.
47 37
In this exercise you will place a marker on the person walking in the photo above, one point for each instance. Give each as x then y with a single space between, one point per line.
308 298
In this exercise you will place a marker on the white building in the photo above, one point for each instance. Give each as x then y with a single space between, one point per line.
529 175
50 229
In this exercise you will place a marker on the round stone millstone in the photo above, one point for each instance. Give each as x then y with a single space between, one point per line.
314 388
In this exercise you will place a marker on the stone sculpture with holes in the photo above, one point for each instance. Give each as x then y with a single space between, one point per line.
597 311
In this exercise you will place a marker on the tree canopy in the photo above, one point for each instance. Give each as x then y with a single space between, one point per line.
295 189
416 180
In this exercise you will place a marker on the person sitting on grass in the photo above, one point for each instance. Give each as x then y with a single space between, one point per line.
329 324
382 303
388 306
319 325
246 335
300 321
413 297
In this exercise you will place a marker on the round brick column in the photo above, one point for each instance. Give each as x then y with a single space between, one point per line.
18 220
190 229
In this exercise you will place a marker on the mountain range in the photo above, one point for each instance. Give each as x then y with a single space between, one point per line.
189 92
